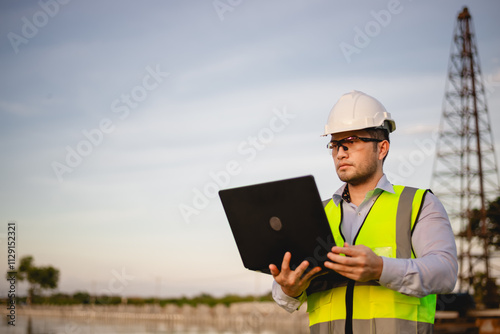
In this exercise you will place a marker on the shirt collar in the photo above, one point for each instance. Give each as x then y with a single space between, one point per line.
382 185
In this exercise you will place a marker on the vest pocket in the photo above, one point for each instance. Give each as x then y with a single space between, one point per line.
326 306
319 299
379 293
385 303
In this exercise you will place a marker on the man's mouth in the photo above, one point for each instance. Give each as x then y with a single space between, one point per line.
343 166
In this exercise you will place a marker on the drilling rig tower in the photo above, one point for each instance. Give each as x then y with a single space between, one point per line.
465 173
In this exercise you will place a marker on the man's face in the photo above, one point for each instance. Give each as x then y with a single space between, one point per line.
355 161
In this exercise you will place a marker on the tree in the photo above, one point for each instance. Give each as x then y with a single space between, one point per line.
82 297
492 223
39 278
486 289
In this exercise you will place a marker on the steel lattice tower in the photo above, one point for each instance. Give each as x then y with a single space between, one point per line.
465 173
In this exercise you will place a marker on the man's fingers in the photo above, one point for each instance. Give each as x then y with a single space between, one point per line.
302 268
343 250
350 251
341 269
274 270
285 265
340 259
321 273
315 272
298 275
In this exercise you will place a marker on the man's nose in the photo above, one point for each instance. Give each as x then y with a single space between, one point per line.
341 151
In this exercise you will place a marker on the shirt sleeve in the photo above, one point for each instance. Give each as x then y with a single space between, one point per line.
435 268
286 302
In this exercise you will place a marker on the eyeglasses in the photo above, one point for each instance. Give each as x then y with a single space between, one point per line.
349 143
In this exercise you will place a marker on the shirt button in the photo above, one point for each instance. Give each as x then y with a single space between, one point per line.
359 213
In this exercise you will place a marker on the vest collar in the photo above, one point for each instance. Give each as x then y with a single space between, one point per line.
382 185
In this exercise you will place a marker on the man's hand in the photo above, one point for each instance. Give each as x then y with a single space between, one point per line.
360 263
293 282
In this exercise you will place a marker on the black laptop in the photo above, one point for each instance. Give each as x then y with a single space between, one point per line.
269 219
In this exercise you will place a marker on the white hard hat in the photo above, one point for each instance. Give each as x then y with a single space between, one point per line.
357 111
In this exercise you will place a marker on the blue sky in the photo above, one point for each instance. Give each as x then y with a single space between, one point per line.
121 119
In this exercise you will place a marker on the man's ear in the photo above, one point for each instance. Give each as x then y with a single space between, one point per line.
384 149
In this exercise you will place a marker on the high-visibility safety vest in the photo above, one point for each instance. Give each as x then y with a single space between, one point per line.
368 307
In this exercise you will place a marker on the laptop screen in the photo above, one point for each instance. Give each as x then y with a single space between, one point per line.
269 219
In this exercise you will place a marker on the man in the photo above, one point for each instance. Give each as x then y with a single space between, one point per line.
395 244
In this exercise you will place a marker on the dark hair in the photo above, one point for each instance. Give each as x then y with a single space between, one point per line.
379 133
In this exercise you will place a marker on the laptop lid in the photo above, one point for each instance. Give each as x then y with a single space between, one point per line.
269 219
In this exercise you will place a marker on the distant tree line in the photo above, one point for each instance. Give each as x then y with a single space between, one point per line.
46 278
79 298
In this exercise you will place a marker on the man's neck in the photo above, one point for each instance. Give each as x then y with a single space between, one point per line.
358 191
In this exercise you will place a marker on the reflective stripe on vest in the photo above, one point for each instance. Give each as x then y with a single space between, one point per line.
368 307
379 325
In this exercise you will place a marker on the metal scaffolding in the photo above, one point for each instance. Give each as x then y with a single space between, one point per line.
465 173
